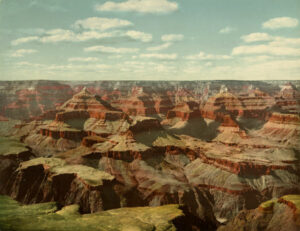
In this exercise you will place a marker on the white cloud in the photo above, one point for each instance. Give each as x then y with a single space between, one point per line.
273 69
67 68
94 29
264 68
257 58
83 59
282 41
280 64
160 47
96 23
277 49
266 50
22 52
160 56
141 6
227 30
273 41
138 35
204 56
172 37
94 35
281 22
115 56
61 35
112 50
24 40
256 37
58 35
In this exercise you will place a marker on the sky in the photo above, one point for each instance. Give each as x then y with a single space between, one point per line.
150 39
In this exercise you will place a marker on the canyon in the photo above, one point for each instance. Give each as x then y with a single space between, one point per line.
200 155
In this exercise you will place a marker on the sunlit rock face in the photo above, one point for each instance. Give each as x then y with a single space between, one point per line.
84 114
218 104
139 103
219 149
283 129
277 214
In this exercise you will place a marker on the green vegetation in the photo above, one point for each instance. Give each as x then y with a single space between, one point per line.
168 140
268 205
10 146
90 175
47 217
7 127
49 162
295 200
58 166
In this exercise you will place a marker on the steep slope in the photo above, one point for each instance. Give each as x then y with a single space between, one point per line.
12 153
288 99
274 215
85 114
220 103
256 103
215 153
283 129
50 179
138 103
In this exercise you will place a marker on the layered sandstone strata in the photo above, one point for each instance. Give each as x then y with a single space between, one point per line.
229 132
83 115
288 99
138 103
274 215
185 111
220 103
12 153
50 179
283 129
256 104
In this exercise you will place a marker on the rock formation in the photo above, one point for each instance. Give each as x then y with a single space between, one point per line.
283 129
220 103
288 98
138 103
274 215
219 149
84 114
50 179
23 100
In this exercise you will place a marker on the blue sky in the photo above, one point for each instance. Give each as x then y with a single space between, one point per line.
149 39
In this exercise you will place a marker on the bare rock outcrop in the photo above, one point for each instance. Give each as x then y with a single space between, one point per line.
50 179
274 215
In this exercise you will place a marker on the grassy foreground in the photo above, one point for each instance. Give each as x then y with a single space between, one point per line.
47 217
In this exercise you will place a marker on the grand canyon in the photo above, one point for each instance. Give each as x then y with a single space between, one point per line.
150 155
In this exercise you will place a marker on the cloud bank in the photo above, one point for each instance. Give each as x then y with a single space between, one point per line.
141 6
